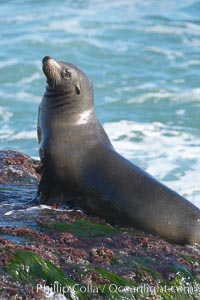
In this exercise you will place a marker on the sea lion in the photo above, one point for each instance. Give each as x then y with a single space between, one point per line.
81 166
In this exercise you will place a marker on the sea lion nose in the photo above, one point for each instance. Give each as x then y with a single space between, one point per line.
45 59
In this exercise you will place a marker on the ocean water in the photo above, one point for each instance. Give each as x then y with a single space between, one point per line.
143 58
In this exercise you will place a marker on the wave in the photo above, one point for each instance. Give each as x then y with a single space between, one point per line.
30 79
5 115
8 62
185 28
24 135
9 134
176 95
27 97
171 55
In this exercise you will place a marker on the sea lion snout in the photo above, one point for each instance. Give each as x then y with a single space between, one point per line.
44 60
51 70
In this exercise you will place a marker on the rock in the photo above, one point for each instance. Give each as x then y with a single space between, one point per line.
68 254
17 167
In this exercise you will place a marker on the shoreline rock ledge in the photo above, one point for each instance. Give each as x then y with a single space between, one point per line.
16 167
47 253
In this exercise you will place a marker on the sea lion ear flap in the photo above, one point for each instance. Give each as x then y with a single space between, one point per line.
78 88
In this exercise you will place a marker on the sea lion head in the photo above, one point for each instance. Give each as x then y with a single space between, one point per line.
64 77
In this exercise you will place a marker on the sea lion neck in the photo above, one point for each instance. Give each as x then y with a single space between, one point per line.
57 93
66 101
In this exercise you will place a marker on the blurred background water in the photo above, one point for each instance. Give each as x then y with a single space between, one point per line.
143 58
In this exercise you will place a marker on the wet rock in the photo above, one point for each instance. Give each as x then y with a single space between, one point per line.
80 256
17 167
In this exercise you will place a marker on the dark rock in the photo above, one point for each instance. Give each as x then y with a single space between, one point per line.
17 167
72 248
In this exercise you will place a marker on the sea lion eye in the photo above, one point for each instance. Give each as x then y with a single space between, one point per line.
66 74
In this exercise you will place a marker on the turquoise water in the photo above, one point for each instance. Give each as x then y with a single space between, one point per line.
143 58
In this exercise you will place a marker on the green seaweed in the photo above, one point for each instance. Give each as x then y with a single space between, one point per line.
121 288
30 268
115 261
142 267
183 271
114 278
190 259
154 274
82 228
144 260
182 289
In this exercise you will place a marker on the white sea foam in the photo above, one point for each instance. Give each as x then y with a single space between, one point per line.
187 95
176 94
190 63
8 62
9 134
162 152
5 115
180 112
162 29
29 79
5 132
72 26
192 28
33 209
157 96
29 209
188 28
23 135
170 54
27 97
